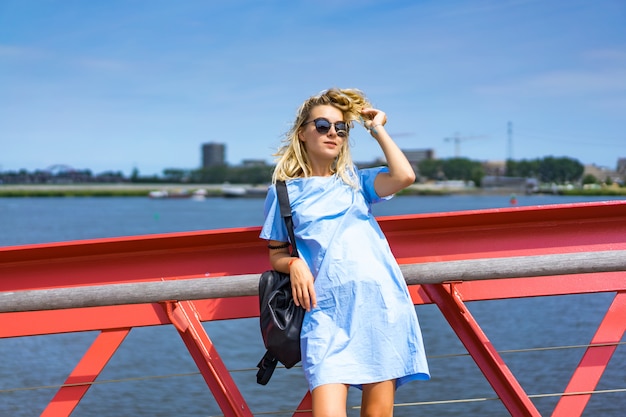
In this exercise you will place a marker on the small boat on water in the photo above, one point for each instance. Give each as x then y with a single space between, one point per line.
161 194
243 191
226 190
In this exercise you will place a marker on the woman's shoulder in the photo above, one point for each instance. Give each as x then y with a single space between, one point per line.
371 170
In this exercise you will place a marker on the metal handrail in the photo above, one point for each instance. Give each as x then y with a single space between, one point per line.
247 285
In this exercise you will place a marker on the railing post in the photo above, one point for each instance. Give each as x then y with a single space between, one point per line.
185 318
480 348
594 361
305 408
85 373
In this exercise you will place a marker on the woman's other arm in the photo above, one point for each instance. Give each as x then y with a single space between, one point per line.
301 278
400 174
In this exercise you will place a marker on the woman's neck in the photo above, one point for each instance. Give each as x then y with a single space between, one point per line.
321 172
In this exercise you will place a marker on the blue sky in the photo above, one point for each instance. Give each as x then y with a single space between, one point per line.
117 85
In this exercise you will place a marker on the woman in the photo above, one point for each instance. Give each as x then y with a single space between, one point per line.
360 326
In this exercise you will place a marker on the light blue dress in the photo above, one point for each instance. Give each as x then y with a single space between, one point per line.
365 328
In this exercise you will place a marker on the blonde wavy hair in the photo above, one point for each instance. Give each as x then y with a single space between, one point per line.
292 160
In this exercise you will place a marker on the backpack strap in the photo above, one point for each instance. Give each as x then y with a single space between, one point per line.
268 362
266 368
285 213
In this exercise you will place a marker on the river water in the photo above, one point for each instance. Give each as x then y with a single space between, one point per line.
152 373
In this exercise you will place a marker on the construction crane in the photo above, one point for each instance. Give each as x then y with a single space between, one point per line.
457 139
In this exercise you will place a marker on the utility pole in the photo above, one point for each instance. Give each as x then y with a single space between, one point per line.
509 130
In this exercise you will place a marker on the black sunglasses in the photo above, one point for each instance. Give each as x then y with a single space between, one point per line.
323 126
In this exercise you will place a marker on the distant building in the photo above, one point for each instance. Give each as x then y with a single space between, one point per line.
213 154
415 156
250 163
509 184
494 168
599 172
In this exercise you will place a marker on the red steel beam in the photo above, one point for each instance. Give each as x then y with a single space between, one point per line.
482 351
431 237
112 317
85 373
305 408
185 318
594 361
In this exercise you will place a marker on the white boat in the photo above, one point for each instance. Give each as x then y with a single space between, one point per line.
229 190
196 195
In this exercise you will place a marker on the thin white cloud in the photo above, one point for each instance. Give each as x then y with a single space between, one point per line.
108 65
19 52
562 83
487 6
615 105
611 56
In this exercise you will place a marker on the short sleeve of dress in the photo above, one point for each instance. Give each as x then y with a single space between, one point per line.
274 227
367 177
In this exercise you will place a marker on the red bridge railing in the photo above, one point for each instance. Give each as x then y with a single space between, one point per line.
469 238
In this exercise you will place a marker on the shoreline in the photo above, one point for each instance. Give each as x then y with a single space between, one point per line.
103 190
218 190
188 190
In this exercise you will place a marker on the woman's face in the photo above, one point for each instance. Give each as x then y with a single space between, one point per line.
323 147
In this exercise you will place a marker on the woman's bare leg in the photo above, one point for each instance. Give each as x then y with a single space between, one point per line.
377 400
330 400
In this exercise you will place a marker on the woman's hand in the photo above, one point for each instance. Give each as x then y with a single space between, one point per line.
373 118
301 277
302 285
400 174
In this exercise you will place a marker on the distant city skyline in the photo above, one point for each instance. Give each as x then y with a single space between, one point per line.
122 85
213 153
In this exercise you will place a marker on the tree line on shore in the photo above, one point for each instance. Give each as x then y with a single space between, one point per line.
550 169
